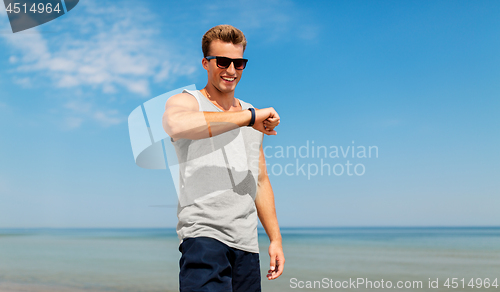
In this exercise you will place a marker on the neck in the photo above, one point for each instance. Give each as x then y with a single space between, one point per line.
221 99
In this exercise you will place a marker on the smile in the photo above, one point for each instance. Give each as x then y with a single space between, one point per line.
230 79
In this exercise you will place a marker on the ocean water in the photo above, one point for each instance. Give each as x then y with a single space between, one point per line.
316 259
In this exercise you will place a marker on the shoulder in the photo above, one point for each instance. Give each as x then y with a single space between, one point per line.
245 105
184 99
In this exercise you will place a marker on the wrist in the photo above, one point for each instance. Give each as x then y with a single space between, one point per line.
243 122
276 240
252 118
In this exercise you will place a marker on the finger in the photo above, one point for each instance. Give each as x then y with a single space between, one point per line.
271 275
272 262
274 123
278 270
280 267
267 131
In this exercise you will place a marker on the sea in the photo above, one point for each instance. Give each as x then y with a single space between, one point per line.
317 259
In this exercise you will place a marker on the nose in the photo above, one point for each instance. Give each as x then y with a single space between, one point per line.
231 70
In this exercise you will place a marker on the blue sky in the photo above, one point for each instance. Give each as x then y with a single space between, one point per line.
420 80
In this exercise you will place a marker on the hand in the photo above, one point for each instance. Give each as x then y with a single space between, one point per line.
271 123
277 262
266 120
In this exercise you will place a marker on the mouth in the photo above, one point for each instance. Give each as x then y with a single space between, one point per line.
228 79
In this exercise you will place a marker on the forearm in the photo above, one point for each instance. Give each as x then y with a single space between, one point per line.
266 210
201 125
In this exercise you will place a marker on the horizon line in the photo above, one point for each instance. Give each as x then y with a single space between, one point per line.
281 227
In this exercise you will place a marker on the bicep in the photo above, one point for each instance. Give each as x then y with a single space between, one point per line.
175 107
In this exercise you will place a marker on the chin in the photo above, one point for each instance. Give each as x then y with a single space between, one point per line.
227 88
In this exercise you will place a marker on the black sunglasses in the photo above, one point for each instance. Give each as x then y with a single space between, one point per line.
224 62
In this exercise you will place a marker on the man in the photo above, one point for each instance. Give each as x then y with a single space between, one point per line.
224 184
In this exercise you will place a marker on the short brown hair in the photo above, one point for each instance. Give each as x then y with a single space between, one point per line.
224 32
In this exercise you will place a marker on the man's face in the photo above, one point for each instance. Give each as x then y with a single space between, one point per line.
224 80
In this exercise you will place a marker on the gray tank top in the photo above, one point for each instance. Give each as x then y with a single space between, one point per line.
218 183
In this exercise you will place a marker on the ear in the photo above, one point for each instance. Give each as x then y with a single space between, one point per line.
204 62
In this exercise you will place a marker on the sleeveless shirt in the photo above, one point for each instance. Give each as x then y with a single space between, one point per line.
218 184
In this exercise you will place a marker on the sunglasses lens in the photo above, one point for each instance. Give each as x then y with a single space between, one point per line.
223 62
239 64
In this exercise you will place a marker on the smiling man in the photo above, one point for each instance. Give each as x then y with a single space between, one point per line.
224 186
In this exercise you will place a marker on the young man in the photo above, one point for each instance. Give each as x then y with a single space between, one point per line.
224 184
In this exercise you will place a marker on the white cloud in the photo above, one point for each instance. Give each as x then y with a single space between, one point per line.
111 47
72 122
78 106
24 82
81 111
108 118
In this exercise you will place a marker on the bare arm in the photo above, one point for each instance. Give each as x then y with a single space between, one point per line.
267 215
182 119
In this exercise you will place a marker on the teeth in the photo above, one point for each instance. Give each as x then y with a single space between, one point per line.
228 79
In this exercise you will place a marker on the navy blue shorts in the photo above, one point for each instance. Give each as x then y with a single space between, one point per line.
210 265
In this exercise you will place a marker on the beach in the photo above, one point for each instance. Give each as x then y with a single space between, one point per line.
16 287
98 260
